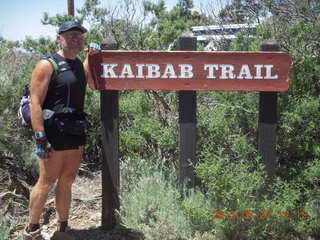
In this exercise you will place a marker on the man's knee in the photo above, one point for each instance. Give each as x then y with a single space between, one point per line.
67 180
46 184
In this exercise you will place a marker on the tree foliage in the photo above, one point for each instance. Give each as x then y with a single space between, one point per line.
295 24
242 11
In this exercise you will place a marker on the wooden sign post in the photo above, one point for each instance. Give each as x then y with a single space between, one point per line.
185 71
267 123
187 123
109 100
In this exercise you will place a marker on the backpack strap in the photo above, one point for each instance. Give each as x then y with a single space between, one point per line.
53 64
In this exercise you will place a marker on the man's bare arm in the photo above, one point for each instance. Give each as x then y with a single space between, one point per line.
86 68
86 64
93 47
40 80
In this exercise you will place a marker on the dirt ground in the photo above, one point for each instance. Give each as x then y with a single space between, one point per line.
85 215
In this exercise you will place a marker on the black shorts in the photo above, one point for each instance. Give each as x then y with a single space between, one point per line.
62 141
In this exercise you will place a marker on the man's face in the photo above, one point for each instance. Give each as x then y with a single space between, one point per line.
71 40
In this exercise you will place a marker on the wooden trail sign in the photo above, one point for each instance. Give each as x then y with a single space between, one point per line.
185 72
190 70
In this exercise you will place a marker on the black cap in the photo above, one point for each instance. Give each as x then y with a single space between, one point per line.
71 25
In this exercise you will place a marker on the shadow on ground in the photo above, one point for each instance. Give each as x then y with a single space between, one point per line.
100 234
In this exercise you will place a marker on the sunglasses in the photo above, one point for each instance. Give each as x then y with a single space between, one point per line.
72 35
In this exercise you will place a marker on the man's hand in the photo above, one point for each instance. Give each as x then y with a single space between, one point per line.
93 47
42 145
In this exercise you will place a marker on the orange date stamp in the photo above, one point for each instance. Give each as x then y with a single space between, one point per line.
261 214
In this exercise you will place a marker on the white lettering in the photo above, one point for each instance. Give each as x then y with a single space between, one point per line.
126 70
244 72
186 71
108 70
269 72
140 70
211 68
258 72
153 70
212 71
169 72
227 71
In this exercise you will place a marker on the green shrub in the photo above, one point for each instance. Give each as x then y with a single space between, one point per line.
288 210
298 135
6 227
199 210
150 202
146 131
233 177
15 141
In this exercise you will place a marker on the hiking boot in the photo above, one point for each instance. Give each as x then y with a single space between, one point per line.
36 235
65 227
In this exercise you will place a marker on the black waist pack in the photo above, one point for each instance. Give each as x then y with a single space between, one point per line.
70 124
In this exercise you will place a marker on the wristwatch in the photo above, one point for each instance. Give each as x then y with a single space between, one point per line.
39 134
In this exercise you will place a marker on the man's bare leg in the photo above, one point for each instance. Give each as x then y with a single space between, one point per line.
71 165
49 170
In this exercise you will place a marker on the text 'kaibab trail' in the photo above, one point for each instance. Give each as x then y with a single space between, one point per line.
213 71
190 70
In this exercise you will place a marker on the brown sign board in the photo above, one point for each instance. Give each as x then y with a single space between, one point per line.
189 70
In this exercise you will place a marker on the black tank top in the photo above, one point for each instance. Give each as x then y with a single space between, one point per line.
69 90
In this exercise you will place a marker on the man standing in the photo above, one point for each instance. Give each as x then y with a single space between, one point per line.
59 97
